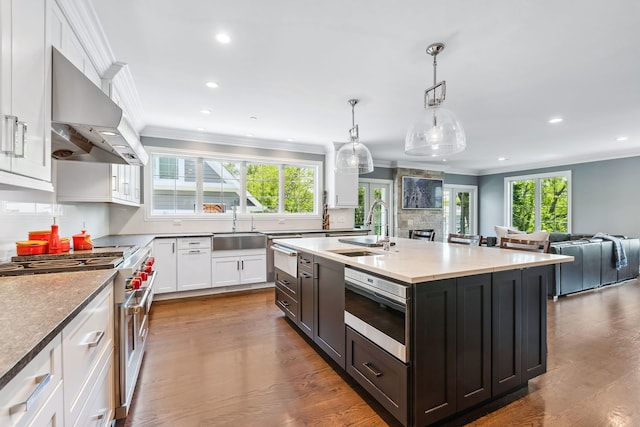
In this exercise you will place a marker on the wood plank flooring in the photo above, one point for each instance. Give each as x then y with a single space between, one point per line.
235 361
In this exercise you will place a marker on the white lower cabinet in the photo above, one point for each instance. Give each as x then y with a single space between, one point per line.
71 381
165 253
51 412
238 267
35 393
194 263
87 348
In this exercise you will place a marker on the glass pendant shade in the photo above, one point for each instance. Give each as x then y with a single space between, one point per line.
354 157
437 132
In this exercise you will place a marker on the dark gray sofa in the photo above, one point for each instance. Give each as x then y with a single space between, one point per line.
594 263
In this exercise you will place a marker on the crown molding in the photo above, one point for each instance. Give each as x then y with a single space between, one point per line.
84 22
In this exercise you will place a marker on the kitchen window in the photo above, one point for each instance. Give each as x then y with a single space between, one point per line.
201 186
539 202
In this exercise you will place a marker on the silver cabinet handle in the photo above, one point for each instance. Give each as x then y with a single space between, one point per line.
285 251
242 264
19 149
173 248
41 383
237 265
10 133
96 342
193 251
372 369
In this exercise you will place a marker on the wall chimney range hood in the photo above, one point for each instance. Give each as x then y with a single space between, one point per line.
86 124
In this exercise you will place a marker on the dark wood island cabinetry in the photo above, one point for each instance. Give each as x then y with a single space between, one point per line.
473 338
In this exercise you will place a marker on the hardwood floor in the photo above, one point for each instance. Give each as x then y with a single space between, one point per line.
235 361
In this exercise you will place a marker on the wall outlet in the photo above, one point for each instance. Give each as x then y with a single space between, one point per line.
280 220
177 222
340 219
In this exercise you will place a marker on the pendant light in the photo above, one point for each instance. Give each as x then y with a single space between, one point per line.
354 157
436 132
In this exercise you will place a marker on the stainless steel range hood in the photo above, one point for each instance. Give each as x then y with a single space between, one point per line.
86 124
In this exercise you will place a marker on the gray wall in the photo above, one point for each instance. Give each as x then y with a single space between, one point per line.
604 197
454 179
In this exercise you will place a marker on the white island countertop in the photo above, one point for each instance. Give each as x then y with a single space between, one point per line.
415 261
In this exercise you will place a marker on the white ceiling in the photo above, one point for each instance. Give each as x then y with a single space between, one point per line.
510 65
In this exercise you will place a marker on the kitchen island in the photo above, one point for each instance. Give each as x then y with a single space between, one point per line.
475 320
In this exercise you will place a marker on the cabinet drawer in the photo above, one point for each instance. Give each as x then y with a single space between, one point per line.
97 411
287 304
305 262
84 340
383 376
287 283
35 382
194 243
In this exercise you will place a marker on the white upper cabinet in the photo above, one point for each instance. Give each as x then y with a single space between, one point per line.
25 94
342 188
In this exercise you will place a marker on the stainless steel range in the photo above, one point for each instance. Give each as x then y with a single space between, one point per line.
133 295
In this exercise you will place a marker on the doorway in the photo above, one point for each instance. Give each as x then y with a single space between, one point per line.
370 190
460 209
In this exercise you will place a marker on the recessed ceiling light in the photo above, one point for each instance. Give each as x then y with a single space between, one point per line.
223 38
502 159
212 85
249 135
205 111
200 129
290 139
622 138
119 146
556 120
108 133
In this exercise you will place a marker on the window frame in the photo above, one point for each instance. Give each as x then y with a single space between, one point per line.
282 162
538 195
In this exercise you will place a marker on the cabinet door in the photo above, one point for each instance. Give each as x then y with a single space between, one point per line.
164 252
346 190
330 308
306 321
253 269
473 340
506 339
23 65
534 321
225 271
434 339
5 86
194 269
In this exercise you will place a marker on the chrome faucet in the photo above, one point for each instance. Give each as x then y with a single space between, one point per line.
235 217
385 240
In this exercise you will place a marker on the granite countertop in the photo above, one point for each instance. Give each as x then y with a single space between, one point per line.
415 261
35 308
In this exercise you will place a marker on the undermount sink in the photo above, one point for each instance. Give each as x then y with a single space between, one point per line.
235 241
354 253
369 241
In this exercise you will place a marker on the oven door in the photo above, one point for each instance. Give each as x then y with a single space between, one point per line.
134 326
383 320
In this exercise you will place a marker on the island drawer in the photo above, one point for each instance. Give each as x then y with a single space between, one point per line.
382 375
305 262
287 304
287 283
